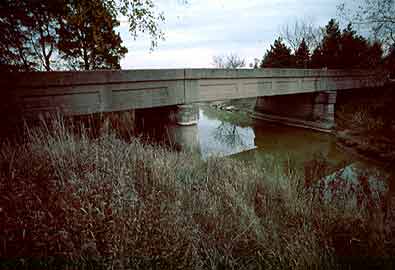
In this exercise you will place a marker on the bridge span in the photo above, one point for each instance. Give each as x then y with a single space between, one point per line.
284 95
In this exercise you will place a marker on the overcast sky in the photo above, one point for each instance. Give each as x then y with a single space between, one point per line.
204 28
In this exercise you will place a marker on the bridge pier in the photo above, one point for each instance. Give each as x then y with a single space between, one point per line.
308 110
187 114
289 96
162 124
185 137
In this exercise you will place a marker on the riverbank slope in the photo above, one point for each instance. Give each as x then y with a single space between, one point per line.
72 199
366 125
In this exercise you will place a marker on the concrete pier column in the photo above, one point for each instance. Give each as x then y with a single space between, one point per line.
308 110
161 125
187 114
324 106
185 137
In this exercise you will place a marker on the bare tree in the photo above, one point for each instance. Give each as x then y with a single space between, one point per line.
255 64
300 30
377 15
228 61
230 135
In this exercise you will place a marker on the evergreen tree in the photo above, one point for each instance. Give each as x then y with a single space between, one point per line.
331 45
374 55
302 56
317 58
390 61
279 56
87 38
345 50
353 49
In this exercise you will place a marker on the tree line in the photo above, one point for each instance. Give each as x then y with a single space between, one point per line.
303 45
70 34
331 47
80 35
338 48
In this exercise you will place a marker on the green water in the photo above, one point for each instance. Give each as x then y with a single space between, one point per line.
236 135
299 145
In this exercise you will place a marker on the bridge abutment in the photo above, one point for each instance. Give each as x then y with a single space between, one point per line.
308 110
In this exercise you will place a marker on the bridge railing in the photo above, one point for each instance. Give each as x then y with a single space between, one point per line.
85 92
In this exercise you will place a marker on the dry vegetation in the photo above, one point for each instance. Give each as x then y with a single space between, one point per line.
366 123
69 200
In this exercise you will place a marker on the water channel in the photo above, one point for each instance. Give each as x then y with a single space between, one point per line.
234 134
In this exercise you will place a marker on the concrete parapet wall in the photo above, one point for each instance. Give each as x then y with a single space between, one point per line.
85 92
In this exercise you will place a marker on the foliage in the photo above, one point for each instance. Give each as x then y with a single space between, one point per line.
29 33
141 15
302 55
337 49
228 61
389 61
33 40
329 54
43 30
378 15
279 56
357 52
374 55
87 39
345 49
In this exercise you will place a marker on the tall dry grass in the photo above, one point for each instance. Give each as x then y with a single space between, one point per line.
70 200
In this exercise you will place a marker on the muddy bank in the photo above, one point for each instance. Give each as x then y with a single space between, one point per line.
367 147
365 124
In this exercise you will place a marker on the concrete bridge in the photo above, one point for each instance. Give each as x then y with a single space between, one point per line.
304 97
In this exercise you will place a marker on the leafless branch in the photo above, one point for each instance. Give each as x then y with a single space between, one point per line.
294 33
228 61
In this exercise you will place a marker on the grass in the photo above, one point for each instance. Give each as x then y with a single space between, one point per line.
240 118
365 123
71 200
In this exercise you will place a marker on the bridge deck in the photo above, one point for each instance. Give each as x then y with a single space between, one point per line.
103 91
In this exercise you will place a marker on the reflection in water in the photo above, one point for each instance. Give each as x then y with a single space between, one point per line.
230 135
208 137
222 138
297 145
342 175
184 137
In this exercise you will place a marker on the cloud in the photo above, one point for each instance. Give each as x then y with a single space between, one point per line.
203 28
